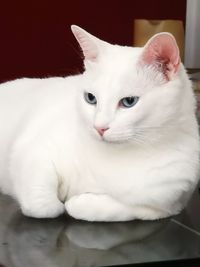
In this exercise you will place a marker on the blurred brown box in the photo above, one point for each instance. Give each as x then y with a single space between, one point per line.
144 29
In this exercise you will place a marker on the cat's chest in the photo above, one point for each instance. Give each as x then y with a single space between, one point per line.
115 169
115 172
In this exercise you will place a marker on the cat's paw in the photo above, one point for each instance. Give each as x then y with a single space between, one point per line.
82 207
42 208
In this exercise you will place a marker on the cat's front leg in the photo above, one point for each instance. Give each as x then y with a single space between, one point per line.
42 202
98 207
35 185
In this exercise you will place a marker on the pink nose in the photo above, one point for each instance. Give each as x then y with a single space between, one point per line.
101 130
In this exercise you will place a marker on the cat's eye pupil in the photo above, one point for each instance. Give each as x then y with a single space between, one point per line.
90 98
128 102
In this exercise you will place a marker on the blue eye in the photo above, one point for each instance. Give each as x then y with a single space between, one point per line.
128 102
90 98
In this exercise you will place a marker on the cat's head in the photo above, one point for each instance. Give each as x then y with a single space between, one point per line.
128 93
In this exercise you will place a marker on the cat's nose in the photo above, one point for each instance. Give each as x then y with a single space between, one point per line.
101 130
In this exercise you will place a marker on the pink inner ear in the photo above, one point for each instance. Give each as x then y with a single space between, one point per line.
86 42
162 52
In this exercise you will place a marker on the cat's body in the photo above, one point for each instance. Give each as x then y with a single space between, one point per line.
53 151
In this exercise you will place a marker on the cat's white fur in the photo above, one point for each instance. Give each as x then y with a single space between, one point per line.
145 166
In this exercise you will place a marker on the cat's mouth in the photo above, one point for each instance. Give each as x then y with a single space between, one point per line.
109 139
115 141
112 138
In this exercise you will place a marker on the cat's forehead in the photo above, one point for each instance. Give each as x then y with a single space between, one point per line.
115 63
116 71
119 58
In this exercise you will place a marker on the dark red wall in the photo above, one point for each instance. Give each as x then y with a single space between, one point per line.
35 37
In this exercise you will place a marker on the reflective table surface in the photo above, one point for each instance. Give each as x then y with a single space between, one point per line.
65 242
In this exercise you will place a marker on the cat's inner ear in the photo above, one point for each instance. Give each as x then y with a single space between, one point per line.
88 43
162 53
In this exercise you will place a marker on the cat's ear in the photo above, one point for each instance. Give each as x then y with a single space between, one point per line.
162 53
89 44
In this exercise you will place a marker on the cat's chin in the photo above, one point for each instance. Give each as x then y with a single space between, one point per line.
114 141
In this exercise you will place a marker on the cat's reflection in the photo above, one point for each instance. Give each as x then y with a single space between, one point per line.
62 242
65 242
105 236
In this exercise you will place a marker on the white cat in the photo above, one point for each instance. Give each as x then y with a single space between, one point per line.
116 143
